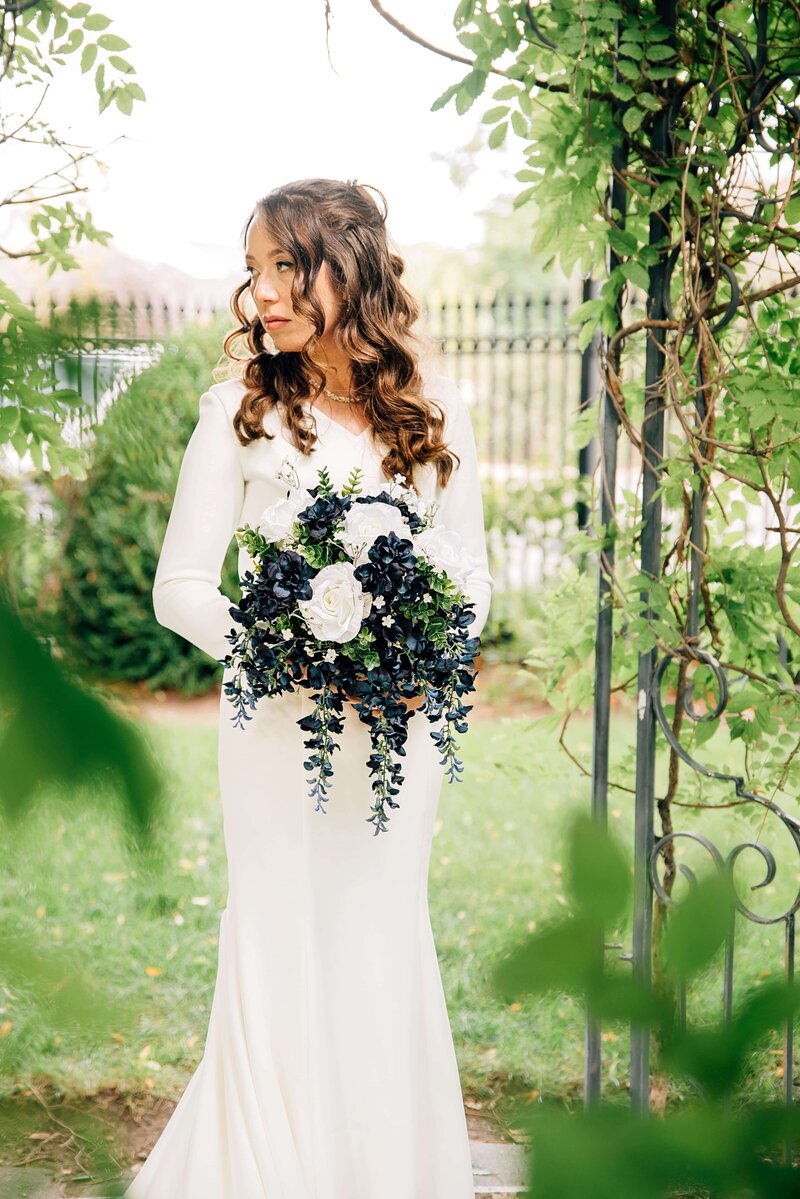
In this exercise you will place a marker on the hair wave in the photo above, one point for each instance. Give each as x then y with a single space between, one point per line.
318 220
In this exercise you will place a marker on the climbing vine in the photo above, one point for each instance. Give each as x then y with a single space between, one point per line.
660 148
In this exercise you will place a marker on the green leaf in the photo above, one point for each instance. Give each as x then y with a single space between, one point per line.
649 102
622 241
663 194
660 53
597 873
628 69
88 56
121 64
586 334
509 91
519 124
445 98
556 958
474 83
524 196
498 135
632 119
463 13
97 21
492 115
110 41
589 308
9 421
636 273
472 40
124 101
792 211
699 924
694 188
73 41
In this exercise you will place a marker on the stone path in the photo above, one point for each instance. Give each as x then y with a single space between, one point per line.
498 1170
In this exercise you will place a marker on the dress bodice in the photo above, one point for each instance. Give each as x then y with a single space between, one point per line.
223 485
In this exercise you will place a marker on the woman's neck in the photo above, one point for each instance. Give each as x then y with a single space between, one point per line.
338 369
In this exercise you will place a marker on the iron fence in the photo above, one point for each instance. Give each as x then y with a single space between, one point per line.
514 357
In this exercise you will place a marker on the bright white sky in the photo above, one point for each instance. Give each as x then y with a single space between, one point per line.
241 97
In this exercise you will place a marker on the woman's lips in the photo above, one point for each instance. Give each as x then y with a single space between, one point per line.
275 322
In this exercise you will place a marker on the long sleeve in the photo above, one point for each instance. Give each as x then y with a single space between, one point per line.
461 503
205 514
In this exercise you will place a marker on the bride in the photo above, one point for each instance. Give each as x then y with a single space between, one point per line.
329 1070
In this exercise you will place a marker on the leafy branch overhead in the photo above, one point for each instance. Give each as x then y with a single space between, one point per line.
85 739
36 40
661 156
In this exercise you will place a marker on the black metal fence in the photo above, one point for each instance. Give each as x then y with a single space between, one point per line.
517 364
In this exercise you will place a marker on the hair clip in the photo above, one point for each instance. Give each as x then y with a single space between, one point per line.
352 182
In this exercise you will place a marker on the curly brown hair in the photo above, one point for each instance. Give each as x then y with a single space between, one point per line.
318 220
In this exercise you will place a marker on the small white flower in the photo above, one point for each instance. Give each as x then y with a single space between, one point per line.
399 478
330 655
428 598
748 714
288 473
388 620
379 602
286 634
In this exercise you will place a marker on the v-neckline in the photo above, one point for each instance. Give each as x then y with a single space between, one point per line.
332 421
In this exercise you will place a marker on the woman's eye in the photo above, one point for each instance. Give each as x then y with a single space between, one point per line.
247 269
284 263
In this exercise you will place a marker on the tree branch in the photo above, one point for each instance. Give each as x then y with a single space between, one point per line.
467 62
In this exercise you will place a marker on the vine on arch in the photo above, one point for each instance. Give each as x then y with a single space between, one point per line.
714 211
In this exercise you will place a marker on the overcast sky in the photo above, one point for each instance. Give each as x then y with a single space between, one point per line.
241 97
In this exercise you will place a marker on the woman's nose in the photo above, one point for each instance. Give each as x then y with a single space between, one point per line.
266 291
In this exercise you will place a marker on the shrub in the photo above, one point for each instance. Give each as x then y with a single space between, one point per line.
112 527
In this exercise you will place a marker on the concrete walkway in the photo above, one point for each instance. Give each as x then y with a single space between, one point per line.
498 1170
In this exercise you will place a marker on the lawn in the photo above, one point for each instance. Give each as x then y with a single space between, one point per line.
495 874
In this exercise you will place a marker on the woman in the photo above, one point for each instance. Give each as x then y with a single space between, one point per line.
329 1070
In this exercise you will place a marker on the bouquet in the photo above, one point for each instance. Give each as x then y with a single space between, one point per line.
356 597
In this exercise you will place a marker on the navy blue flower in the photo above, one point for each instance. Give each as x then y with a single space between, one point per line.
287 577
320 516
391 567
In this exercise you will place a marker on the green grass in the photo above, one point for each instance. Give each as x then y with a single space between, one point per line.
496 873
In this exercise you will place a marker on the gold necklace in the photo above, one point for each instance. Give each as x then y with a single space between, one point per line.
342 399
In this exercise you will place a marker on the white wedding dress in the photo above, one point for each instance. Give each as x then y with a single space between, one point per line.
329 1070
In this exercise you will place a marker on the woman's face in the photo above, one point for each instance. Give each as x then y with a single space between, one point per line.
271 272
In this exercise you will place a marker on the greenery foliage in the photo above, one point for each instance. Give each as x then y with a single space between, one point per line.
704 1148
584 86
112 526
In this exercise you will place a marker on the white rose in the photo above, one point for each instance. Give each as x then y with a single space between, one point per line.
277 520
337 605
445 550
363 523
